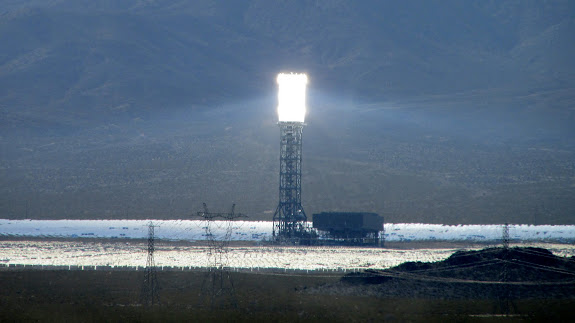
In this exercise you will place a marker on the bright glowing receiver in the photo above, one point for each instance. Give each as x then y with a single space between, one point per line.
291 97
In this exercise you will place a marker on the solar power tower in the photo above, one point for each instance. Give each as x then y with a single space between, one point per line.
290 218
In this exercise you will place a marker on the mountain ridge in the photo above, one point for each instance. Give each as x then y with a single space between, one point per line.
425 111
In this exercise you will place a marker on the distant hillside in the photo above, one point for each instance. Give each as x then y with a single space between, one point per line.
93 59
425 111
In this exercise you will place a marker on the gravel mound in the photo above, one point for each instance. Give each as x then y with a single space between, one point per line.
489 273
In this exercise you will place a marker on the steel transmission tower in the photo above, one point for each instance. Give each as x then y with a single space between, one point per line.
505 236
150 294
218 287
504 294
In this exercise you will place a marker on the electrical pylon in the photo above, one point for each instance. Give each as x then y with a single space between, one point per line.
218 287
505 237
149 295
505 295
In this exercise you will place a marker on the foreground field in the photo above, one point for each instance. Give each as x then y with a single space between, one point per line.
86 296
464 283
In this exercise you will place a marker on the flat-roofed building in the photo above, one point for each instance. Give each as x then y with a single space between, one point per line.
349 228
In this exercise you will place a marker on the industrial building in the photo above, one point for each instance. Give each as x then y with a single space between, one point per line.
349 228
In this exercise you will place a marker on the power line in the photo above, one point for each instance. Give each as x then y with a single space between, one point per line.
406 275
542 267
536 253
462 266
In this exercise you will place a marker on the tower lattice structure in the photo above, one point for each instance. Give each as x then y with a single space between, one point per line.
218 286
290 218
505 236
505 299
150 294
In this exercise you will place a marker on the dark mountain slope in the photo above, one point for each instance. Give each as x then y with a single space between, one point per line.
110 57
432 111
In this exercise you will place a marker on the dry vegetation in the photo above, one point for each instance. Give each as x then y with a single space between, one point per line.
114 296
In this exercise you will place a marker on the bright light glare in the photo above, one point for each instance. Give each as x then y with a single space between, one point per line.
291 97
